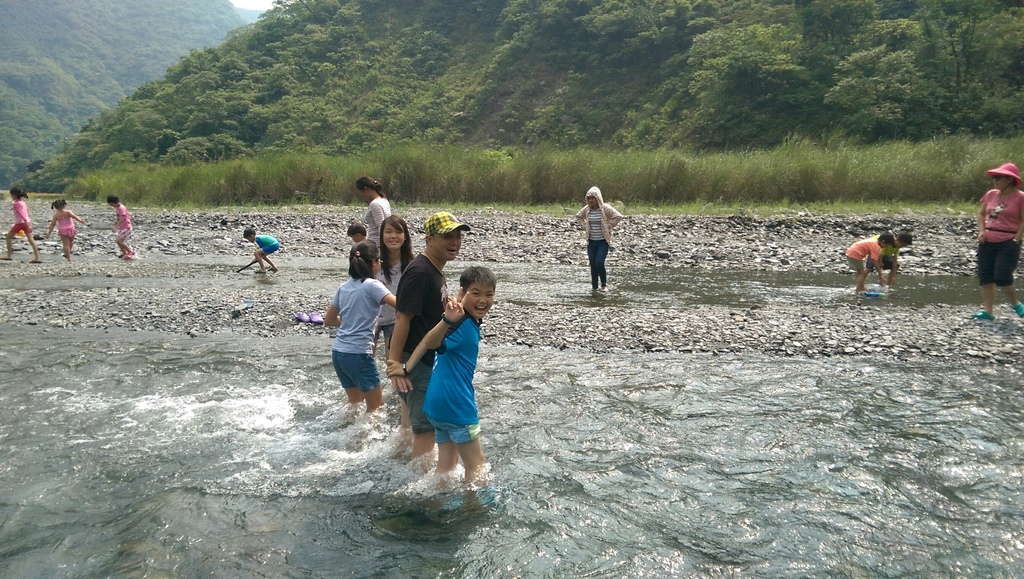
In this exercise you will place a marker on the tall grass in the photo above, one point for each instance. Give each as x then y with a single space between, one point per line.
947 170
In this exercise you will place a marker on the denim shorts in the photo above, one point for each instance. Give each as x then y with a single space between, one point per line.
356 370
457 433
419 375
270 248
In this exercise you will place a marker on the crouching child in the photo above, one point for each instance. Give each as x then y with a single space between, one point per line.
265 245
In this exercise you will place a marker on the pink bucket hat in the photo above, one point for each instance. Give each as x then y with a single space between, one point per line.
1008 170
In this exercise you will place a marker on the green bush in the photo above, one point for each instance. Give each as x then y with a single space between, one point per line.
949 170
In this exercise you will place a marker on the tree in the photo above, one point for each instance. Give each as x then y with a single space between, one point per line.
834 22
881 95
748 86
951 26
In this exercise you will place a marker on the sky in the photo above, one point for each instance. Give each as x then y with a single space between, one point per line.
253 4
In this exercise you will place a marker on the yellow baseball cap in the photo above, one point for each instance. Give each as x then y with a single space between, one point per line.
441 223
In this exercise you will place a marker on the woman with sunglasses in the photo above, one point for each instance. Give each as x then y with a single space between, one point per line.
1000 230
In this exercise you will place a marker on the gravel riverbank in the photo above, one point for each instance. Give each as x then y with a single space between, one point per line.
185 281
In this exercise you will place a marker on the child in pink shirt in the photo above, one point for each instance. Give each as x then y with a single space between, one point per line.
22 224
870 247
123 227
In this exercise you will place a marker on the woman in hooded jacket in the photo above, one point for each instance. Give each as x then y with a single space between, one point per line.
598 219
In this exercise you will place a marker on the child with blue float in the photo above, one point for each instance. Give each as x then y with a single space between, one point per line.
889 257
868 251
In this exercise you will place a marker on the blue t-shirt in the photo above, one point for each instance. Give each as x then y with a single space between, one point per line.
359 303
450 395
265 241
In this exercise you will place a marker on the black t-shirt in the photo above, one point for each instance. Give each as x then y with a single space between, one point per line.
421 293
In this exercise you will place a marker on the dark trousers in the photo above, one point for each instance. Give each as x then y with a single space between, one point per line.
997 261
597 252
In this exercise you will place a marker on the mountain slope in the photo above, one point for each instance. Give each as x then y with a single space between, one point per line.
248 14
63 61
345 76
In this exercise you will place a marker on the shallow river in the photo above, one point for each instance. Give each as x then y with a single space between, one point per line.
130 454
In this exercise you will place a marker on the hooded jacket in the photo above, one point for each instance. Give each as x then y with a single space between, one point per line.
609 216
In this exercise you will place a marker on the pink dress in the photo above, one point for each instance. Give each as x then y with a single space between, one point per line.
124 227
66 227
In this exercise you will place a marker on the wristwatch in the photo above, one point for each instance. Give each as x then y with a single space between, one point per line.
405 372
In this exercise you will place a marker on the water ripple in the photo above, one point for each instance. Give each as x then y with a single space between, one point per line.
185 457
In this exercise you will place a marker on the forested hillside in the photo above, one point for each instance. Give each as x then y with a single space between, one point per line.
64 61
344 76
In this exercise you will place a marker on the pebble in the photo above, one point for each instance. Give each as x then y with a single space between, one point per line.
787 242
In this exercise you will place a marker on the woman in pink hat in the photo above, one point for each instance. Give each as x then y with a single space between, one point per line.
1000 230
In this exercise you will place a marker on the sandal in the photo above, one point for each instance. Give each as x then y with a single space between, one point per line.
983 315
36 261
1019 308
302 317
315 318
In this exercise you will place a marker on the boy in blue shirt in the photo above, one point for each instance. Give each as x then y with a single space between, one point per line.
450 402
265 245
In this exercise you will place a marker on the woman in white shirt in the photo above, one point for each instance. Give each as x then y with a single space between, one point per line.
379 209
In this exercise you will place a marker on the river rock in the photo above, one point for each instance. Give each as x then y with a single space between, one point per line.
171 239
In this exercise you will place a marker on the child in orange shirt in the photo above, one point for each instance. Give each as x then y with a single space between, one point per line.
868 248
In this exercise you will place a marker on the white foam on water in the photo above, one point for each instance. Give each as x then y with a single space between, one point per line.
339 453
435 483
270 412
186 414
76 402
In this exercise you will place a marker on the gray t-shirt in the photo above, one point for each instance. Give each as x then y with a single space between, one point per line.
359 303
387 313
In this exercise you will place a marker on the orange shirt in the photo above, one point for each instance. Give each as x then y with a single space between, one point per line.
864 248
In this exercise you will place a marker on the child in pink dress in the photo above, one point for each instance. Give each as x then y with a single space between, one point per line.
64 220
22 224
123 227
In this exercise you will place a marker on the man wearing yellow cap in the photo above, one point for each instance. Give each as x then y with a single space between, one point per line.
421 295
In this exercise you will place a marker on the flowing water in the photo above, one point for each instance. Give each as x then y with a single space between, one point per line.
135 454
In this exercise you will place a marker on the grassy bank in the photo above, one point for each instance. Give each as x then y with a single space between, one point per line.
949 171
